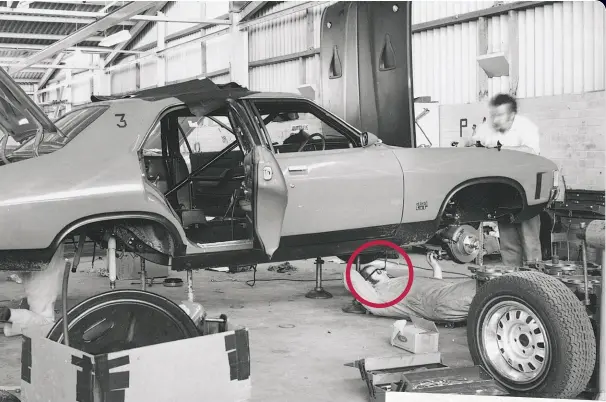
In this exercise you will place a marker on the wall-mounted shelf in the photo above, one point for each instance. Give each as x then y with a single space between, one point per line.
494 64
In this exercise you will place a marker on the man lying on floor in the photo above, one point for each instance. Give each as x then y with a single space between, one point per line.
432 298
41 290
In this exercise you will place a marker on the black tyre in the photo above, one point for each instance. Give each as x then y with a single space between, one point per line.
124 319
533 335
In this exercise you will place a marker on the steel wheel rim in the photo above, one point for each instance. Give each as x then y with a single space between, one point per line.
515 342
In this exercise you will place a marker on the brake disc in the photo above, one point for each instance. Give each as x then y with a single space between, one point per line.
124 319
463 243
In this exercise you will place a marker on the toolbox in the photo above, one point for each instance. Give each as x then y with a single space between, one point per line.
388 377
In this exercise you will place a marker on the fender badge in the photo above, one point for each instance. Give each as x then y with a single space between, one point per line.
421 205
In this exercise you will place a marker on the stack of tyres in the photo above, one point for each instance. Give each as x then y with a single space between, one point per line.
366 68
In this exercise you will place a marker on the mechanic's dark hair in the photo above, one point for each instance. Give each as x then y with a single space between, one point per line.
504 99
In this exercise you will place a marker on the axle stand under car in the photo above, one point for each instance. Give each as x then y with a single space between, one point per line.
534 329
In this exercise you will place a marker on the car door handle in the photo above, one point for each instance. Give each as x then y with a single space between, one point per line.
297 168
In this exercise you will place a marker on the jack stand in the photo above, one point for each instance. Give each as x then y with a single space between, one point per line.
194 310
318 292
190 286
480 257
143 276
111 262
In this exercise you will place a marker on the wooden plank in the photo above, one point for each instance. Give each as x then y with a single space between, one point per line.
217 73
514 53
302 71
281 59
310 29
203 54
475 15
482 50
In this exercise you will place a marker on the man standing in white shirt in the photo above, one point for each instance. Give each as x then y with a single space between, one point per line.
520 242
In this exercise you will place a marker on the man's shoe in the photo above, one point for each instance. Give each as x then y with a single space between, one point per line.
355 308
5 314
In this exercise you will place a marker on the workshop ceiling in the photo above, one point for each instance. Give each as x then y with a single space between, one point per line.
28 27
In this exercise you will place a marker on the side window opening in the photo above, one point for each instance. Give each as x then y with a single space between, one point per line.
298 126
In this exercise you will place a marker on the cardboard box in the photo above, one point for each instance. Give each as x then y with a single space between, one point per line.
213 367
420 336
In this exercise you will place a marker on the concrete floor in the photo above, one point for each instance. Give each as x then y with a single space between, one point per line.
298 346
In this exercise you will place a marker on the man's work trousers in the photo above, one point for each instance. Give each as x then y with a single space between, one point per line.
520 242
41 289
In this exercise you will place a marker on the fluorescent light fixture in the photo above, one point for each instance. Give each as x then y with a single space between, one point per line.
116 38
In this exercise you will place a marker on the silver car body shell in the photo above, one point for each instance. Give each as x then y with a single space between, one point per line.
100 175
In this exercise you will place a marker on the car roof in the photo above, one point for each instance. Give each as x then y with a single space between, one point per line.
196 90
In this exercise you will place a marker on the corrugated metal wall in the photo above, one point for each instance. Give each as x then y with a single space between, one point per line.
184 10
183 62
124 79
554 58
217 55
444 63
82 90
424 11
148 72
284 36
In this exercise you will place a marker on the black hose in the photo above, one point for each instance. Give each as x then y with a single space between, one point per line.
64 303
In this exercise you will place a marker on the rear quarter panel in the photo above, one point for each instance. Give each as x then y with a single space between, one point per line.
98 172
430 174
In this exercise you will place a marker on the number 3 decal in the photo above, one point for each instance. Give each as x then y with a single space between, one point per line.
122 122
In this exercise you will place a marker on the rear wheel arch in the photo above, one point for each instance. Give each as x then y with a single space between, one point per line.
479 186
158 232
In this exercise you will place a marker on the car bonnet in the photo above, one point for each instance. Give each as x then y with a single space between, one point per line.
20 117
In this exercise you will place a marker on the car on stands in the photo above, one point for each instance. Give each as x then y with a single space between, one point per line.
198 174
